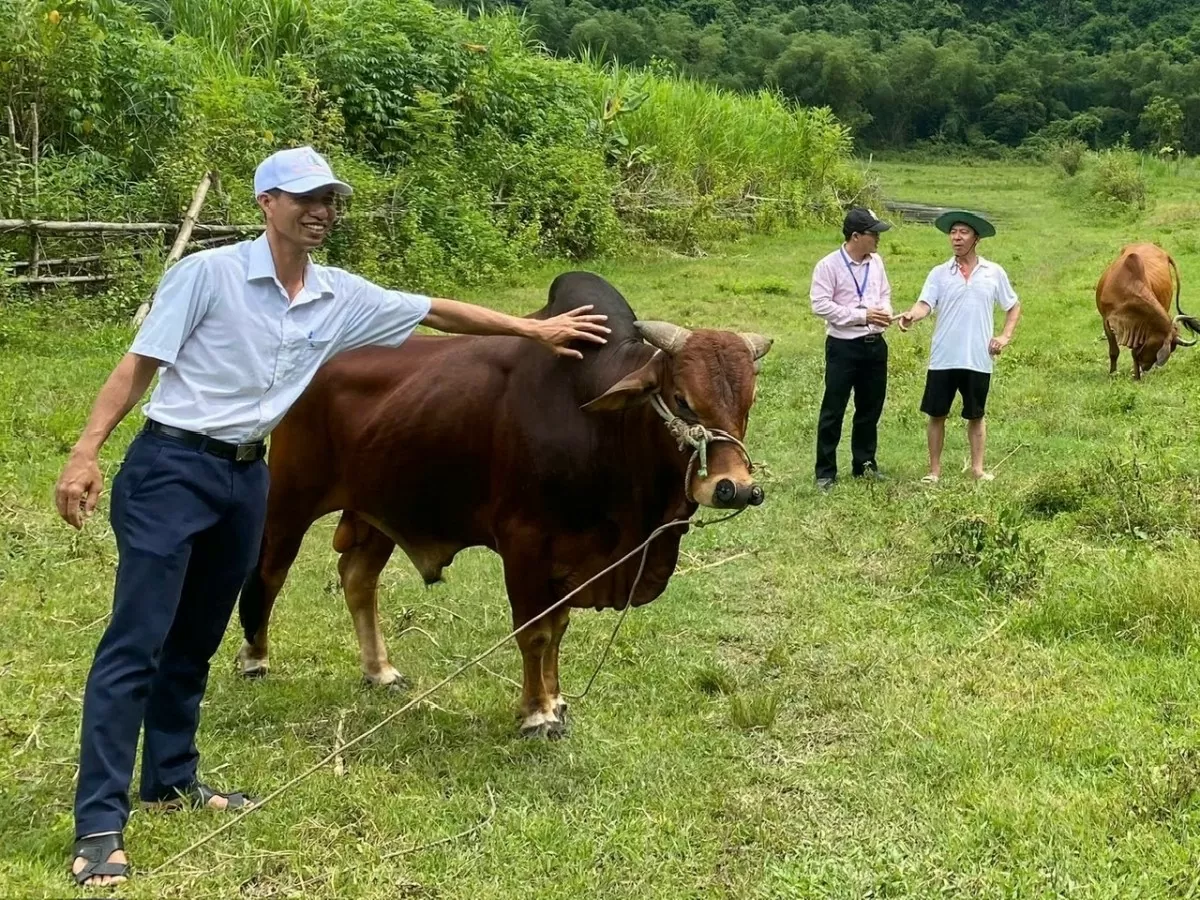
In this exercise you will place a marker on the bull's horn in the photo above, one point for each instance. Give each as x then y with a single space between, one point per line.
663 335
1178 339
758 344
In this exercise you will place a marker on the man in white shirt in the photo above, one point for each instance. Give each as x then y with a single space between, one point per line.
236 334
850 291
963 293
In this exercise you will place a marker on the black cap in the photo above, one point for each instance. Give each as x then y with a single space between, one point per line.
862 220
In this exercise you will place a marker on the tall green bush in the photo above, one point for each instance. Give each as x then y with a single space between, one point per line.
471 152
1118 178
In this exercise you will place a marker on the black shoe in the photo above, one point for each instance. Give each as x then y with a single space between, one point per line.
825 485
871 473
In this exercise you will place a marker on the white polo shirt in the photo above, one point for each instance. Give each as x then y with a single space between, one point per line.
236 354
964 309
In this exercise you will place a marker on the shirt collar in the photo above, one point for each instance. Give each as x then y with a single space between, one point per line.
846 253
980 263
262 265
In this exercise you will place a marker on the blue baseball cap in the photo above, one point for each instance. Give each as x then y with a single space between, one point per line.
297 170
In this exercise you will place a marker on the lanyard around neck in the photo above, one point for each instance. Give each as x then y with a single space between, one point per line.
859 289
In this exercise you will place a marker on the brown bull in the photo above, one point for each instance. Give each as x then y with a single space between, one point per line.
561 466
1133 297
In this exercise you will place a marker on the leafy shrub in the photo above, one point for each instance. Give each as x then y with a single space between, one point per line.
1007 562
1069 154
470 152
98 75
1168 789
1118 178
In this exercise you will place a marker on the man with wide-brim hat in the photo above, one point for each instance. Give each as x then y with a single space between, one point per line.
963 292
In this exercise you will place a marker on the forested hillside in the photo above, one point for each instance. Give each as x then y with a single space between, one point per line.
471 152
992 73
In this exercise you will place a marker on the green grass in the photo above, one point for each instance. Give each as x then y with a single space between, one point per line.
891 691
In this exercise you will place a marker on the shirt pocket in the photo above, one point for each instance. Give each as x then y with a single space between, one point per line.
303 354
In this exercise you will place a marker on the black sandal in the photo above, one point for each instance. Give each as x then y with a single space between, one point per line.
199 794
96 850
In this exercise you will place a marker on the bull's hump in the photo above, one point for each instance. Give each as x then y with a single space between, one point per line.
574 289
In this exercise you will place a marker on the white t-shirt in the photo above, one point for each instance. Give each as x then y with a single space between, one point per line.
965 324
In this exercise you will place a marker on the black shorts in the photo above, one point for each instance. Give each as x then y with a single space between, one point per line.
941 385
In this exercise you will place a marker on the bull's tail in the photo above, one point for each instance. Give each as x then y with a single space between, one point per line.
252 602
1190 322
1178 283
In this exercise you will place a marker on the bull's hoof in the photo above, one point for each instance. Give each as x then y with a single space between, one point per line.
545 726
389 678
251 666
549 730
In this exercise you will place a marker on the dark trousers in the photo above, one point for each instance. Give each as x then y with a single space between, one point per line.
188 526
857 365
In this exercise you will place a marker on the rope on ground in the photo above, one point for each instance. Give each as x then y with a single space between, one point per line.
307 773
466 832
1013 451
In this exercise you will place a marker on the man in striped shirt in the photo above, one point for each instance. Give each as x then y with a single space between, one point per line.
850 291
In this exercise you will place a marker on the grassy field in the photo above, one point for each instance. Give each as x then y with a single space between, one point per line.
885 691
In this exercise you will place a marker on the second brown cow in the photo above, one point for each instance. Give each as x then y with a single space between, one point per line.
1133 297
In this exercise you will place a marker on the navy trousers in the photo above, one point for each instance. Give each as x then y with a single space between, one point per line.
188 527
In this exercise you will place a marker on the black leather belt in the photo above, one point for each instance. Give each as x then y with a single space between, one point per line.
237 452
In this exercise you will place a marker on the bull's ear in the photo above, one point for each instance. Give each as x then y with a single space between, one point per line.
636 387
1164 352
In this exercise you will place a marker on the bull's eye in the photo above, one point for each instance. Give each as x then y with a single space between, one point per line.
685 411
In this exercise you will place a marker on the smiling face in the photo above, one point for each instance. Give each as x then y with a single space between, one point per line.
303 220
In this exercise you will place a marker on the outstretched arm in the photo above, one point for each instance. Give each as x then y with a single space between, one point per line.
79 486
919 310
455 317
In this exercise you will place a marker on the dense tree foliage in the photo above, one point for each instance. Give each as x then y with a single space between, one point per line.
470 151
990 73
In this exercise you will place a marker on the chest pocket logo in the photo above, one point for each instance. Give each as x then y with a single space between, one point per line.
318 342
303 353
